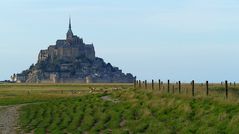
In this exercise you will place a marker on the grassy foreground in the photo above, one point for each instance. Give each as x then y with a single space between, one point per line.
73 109
131 111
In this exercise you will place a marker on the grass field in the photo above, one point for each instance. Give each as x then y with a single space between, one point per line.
11 94
121 109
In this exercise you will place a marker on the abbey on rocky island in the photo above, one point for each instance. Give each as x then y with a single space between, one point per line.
71 61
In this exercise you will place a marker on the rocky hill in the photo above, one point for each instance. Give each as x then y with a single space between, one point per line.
71 61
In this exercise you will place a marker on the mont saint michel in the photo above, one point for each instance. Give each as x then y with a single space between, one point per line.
71 60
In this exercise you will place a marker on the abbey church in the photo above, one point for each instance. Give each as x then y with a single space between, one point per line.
71 48
71 60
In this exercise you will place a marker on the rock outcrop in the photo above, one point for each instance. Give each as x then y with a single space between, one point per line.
71 61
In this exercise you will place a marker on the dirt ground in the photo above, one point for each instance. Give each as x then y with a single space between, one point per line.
8 119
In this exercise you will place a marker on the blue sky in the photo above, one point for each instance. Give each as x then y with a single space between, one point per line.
177 40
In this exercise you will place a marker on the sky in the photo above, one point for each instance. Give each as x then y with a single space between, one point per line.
152 39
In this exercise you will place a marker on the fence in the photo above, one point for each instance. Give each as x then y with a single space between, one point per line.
195 89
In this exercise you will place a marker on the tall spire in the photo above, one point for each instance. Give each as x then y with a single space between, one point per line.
69 34
70 23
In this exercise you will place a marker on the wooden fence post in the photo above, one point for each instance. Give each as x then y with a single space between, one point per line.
139 83
193 88
226 86
234 84
179 86
152 84
145 84
207 89
168 86
159 84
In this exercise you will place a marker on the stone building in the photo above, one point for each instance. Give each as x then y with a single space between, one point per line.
69 49
71 60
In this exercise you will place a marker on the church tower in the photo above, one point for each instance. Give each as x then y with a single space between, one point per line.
69 34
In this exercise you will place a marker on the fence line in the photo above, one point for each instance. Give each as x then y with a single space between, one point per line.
196 88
